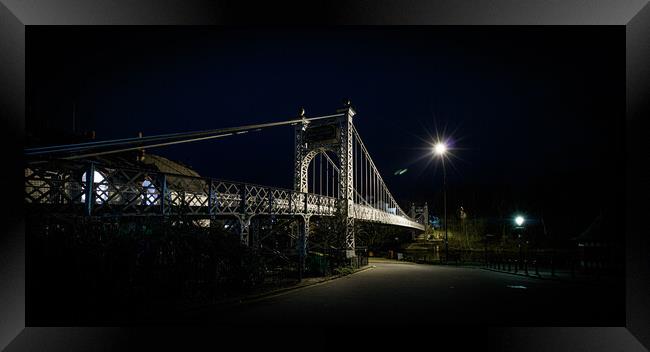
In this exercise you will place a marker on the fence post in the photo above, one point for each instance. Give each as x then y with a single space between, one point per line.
90 188
486 255
525 259
163 198
210 201
553 264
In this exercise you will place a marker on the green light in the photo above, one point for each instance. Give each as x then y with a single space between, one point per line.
519 220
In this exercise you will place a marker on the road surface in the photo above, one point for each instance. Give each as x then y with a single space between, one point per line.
406 293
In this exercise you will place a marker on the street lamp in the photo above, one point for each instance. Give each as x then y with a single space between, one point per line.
519 221
440 149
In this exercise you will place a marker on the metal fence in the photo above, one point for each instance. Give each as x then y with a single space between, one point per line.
565 262
325 262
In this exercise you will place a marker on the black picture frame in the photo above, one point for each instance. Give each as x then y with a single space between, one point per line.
15 16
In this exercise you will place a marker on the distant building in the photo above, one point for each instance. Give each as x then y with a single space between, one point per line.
49 184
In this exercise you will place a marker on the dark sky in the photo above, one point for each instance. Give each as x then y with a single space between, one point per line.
535 114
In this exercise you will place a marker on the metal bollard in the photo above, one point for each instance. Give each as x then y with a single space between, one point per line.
526 266
552 267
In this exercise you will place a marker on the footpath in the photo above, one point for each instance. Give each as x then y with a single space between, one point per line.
256 296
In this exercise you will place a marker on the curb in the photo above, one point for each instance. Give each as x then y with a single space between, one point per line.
281 291
390 262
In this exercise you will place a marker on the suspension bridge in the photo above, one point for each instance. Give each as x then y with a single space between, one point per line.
334 177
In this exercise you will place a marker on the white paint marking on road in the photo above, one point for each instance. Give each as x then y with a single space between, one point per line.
517 286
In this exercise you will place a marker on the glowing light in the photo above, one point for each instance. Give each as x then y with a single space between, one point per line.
101 188
519 220
440 148
150 195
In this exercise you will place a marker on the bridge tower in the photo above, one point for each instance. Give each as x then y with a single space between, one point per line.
329 135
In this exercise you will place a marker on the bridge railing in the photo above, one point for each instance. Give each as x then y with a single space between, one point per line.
373 214
64 187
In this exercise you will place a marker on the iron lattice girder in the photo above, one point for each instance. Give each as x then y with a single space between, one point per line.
123 192
60 188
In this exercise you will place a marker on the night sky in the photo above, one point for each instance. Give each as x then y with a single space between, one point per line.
535 114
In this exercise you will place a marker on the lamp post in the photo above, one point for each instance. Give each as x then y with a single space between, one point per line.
519 221
440 149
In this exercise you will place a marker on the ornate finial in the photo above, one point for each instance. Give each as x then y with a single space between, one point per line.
347 107
304 122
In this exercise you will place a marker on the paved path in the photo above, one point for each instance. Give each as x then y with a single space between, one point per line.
404 293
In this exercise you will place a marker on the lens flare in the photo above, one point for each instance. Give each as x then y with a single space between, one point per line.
440 148
519 220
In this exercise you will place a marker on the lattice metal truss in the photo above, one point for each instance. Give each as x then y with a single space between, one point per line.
63 187
376 204
339 142
346 180
94 189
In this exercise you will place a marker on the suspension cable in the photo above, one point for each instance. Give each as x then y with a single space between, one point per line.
177 138
376 177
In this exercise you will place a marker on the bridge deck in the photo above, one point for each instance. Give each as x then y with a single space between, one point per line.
62 188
